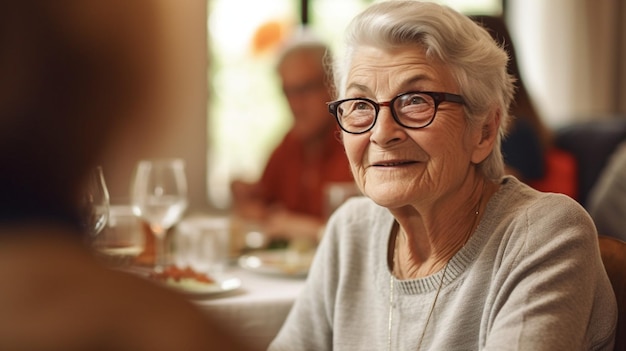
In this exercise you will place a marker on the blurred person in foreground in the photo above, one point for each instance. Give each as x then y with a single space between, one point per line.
73 72
444 251
288 199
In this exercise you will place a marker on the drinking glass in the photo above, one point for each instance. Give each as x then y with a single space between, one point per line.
122 240
94 203
159 197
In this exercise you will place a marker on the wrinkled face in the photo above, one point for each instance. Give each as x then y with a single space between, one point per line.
303 83
396 166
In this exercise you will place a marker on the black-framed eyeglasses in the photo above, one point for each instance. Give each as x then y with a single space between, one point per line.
413 110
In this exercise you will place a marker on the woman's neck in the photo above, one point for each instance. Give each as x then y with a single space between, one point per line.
421 246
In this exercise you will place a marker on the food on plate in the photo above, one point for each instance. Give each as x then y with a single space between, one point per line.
177 274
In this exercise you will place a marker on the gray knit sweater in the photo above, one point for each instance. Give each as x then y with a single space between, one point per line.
530 278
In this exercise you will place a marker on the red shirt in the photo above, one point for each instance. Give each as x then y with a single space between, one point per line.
297 184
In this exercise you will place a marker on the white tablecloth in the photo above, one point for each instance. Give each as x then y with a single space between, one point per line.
257 310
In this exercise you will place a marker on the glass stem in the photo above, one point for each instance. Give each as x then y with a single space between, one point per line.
159 249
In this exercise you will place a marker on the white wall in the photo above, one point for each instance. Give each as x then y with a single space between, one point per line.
568 52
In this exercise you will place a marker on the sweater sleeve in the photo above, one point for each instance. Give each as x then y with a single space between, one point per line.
547 276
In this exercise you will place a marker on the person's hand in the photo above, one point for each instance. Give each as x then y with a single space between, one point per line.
243 191
281 223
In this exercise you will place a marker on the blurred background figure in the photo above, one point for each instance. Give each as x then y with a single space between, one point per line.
529 149
73 73
607 198
528 138
288 199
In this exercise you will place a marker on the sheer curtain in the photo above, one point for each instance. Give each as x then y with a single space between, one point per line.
572 55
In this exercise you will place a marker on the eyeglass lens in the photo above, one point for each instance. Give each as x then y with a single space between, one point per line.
411 110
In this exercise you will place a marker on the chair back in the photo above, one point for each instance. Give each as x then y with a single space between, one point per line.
613 253
591 143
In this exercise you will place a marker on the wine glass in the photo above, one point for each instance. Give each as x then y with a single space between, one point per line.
159 197
94 203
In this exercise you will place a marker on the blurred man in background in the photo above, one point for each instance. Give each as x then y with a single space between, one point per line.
288 200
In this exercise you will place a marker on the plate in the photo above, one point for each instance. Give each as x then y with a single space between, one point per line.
190 282
196 288
291 263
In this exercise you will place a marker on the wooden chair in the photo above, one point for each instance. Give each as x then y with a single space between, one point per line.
613 253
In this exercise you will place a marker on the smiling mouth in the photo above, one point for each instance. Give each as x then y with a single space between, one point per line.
394 163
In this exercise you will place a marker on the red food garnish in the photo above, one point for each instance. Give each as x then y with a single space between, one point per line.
176 273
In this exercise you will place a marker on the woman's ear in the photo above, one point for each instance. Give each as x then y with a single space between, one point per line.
488 137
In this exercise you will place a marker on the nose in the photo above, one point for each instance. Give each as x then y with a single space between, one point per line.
386 130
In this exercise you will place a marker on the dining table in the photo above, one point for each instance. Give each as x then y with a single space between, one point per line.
250 293
256 310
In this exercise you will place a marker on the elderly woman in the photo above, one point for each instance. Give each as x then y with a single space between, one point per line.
443 252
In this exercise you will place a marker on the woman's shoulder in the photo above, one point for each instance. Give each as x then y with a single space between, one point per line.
540 215
519 195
